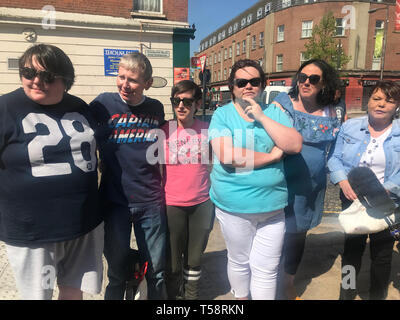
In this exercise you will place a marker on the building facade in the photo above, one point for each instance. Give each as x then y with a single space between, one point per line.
274 33
94 34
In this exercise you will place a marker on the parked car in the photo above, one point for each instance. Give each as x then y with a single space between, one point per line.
271 92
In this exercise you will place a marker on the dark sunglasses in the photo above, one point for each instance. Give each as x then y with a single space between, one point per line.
241 83
187 102
46 76
314 78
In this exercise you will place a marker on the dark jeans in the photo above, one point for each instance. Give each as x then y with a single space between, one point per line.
149 223
188 230
381 250
293 250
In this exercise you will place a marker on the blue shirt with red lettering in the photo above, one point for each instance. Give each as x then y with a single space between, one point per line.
129 175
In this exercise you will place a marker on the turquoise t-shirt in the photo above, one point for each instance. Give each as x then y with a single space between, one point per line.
252 190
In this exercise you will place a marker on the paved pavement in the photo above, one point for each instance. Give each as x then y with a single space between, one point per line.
318 277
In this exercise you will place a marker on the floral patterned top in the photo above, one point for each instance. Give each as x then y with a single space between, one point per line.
314 129
306 172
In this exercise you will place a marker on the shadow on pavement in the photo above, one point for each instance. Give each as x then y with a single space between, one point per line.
321 252
214 280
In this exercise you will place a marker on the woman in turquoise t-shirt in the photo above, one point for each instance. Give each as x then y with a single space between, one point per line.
247 181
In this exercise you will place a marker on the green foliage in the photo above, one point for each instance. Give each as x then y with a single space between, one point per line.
324 45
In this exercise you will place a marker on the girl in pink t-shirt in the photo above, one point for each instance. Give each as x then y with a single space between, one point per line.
190 212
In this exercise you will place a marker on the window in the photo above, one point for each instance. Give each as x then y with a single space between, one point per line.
261 39
379 30
215 58
279 62
286 3
253 42
230 52
147 5
244 46
339 27
225 73
306 29
219 56
13 64
225 54
303 57
238 49
259 13
379 25
219 75
281 33
267 8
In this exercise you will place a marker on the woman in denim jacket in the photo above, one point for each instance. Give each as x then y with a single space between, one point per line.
372 141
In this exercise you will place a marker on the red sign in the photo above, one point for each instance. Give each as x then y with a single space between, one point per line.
195 62
203 61
397 20
181 74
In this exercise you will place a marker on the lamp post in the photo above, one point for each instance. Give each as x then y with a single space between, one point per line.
384 36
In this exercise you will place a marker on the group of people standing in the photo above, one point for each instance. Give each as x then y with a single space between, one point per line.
260 169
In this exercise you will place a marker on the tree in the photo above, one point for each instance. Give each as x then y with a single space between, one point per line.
323 44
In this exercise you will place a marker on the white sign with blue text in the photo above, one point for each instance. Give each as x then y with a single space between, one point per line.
111 60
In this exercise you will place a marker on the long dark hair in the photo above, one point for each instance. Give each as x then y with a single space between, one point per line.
330 80
53 59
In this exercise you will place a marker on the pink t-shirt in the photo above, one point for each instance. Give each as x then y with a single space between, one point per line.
187 180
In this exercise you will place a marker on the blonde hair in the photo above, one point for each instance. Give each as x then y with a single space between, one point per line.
137 62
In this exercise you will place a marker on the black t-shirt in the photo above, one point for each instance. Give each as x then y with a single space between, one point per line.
124 137
48 170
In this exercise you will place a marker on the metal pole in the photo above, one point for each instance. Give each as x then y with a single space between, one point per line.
384 42
339 53
204 94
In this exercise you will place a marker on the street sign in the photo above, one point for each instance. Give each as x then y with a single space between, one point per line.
111 60
207 77
195 62
203 61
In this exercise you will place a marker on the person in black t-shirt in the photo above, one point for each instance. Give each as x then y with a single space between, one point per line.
49 216
130 188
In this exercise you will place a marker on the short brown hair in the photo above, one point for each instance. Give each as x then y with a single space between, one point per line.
240 64
185 86
53 59
390 88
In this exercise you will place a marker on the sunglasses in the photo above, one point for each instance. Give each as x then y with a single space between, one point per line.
187 102
314 78
241 83
45 76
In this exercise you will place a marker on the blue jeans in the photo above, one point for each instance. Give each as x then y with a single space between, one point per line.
149 223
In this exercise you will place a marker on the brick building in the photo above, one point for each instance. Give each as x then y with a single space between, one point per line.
274 32
94 34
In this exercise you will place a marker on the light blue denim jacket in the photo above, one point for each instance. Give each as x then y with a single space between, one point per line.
351 143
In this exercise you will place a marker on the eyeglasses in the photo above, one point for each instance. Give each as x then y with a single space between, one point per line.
187 102
314 78
241 83
46 76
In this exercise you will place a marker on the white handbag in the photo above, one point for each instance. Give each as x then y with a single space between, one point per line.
357 219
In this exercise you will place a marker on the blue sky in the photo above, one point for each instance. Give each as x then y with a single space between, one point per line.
209 15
